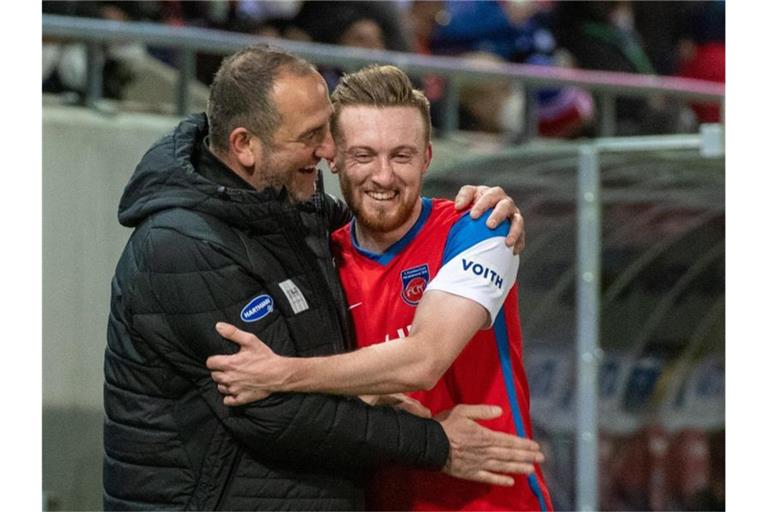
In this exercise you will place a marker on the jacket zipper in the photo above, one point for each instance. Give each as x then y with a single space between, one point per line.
230 478
317 282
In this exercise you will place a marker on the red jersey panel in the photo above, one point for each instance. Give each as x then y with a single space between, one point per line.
383 291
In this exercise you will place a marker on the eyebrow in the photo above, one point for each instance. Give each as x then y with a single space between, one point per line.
404 147
358 147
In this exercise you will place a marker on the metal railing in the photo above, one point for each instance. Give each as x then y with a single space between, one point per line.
188 41
710 143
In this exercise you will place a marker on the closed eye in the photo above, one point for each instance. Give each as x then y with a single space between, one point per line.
362 157
312 135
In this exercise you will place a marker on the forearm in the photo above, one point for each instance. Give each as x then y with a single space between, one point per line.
391 367
417 362
436 338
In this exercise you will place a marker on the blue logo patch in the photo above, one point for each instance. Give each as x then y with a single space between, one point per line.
257 309
414 284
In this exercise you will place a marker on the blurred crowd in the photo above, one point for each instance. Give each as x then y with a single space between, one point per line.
685 38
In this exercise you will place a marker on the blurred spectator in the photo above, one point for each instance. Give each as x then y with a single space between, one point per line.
195 13
702 51
697 471
423 17
493 106
271 18
371 25
601 36
597 35
131 72
64 63
340 23
660 26
515 31
201 14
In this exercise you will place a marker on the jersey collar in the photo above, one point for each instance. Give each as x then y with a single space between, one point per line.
395 249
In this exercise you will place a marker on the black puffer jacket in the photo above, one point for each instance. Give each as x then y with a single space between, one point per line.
204 250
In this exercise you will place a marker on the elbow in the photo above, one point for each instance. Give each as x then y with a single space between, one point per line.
420 383
429 382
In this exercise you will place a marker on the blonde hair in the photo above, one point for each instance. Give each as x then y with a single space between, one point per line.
378 86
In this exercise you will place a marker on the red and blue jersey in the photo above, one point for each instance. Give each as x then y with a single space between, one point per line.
447 250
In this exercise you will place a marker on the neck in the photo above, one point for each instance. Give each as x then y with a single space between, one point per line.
378 242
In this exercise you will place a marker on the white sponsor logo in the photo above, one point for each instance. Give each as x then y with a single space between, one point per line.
482 271
294 295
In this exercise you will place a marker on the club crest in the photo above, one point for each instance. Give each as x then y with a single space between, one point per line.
414 283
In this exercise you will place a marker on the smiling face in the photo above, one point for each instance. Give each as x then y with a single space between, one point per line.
382 155
302 138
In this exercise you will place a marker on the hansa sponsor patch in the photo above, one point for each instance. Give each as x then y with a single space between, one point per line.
257 308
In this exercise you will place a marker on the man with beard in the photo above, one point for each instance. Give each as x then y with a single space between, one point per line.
228 225
432 293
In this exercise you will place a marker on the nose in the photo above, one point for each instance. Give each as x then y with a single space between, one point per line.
384 176
327 148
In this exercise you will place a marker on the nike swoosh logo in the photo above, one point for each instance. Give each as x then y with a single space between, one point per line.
353 306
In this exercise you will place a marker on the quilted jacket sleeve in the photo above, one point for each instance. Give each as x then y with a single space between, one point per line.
182 287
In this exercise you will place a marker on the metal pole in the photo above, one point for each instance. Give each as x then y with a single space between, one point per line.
607 115
531 113
450 107
94 73
722 111
588 249
186 73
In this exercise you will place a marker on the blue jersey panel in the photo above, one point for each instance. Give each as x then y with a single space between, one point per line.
468 232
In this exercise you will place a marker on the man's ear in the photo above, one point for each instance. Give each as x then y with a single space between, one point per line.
245 147
338 157
427 158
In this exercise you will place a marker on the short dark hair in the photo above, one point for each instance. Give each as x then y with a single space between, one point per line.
241 92
378 86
